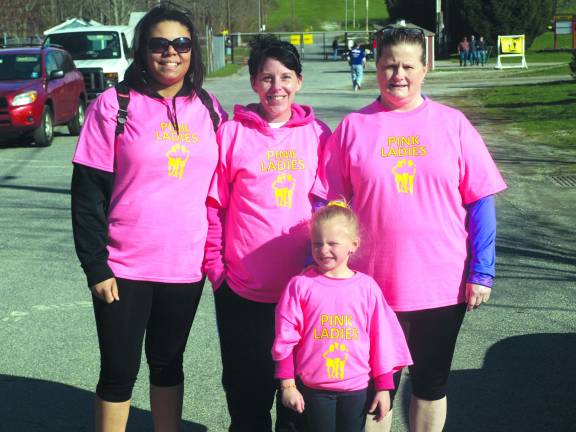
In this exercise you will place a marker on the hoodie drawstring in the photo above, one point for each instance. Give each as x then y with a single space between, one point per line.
172 115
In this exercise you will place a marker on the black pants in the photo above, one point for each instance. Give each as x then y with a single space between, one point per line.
164 313
246 330
431 335
332 411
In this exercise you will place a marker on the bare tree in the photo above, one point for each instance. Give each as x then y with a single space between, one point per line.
32 17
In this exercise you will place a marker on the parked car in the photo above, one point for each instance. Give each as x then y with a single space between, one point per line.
40 87
101 53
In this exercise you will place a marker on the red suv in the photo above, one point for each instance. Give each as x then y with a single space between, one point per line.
39 88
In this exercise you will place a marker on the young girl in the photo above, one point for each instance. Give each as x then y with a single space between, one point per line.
258 208
335 332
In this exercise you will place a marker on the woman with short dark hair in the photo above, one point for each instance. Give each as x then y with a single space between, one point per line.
258 206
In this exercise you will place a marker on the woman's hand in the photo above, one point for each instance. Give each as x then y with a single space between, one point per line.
380 405
476 295
291 397
106 290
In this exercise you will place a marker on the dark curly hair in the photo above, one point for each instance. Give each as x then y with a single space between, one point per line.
135 76
263 47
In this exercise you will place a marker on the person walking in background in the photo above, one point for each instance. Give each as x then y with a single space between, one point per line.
335 49
139 215
482 51
422 182
259 203
473 51
334 332
463 51
357 62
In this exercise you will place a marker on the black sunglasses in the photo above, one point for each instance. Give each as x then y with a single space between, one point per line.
160 45
410 32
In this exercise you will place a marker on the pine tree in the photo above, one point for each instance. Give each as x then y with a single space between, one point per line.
491 18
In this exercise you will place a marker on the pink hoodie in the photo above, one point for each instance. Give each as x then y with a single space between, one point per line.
261 191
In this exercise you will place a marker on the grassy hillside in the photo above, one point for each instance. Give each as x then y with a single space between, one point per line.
566 6
319 15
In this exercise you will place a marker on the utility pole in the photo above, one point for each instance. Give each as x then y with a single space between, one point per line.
229 25
367 14
346 15
354 14
259 15
439 27
293 14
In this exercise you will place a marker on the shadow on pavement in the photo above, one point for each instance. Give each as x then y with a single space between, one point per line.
526 384
60 191
31 405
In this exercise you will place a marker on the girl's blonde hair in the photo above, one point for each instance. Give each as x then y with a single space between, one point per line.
336 209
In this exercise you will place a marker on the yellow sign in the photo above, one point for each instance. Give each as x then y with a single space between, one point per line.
308 39
564 17
295 39
512 44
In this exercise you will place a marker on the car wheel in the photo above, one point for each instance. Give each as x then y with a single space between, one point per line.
45 133
75 125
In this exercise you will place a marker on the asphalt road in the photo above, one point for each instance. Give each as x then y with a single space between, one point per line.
515 365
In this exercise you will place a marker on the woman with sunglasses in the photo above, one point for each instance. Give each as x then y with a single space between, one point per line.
421 180
139 216
260 197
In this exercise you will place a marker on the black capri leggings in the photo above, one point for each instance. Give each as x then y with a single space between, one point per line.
431 335
164 312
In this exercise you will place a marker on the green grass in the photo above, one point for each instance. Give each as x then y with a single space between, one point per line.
229 69
566 7
537 71
314 15
544 112
534 54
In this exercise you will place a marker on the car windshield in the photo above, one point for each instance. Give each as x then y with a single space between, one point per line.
20 67
89 45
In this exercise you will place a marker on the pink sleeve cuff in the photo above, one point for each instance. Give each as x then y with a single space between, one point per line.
384 381
213 264
285 368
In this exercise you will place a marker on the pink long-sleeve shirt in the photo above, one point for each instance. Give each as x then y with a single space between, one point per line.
409 176
262 189
341 332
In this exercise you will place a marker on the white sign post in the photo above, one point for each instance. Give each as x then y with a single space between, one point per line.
511 46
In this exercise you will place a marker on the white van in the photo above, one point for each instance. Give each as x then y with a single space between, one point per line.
101 53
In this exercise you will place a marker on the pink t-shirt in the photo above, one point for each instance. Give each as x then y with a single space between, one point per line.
341 330
263 181
157 219
408 176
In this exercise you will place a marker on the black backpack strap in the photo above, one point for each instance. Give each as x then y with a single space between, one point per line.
207 101
123 95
